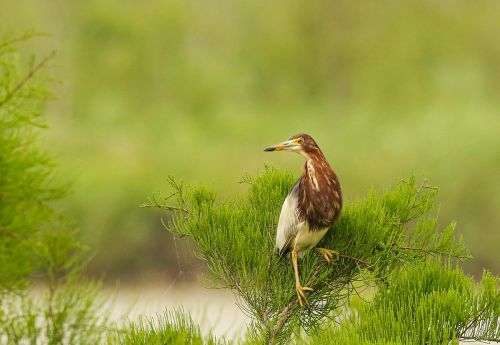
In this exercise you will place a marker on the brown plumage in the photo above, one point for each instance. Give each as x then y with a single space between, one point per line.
320 196
312 206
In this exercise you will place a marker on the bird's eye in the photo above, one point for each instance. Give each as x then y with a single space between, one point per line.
300 141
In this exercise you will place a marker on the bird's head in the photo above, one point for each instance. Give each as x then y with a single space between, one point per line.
301 143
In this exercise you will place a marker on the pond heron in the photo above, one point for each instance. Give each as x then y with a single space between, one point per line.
311 208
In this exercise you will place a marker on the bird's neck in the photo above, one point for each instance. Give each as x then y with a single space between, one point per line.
317 168
314 154
317 159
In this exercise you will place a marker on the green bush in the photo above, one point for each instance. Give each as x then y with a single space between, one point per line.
379 237
35 237
427 303
37 243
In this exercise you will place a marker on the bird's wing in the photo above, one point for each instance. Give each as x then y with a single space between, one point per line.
289 220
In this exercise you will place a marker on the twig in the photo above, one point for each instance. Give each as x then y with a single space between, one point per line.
355 259
268 277
178 190
30 75
436 252
284 316
424 185
313 276
476 318
154 203
481 339
164 207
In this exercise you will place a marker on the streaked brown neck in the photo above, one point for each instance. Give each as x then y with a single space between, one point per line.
320 195
317 169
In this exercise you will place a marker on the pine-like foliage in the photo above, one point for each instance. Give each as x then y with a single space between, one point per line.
36 242
33 236
375 236
70 314
427 303
173 328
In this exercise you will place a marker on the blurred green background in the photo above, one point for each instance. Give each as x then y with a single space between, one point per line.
196 89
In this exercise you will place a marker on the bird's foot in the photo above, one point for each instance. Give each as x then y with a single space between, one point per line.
301 294
328 254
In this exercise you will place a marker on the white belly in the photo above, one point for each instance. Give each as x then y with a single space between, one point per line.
307 239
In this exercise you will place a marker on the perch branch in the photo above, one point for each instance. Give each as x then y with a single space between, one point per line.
284 316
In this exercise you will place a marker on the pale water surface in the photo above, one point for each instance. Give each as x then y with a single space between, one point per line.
213 309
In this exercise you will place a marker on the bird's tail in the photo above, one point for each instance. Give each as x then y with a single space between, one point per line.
282 252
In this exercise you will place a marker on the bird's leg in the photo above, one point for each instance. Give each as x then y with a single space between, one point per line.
328 254
298 286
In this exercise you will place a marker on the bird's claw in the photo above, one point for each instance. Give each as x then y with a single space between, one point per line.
328 255
301 295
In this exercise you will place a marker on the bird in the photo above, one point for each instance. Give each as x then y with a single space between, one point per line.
311 207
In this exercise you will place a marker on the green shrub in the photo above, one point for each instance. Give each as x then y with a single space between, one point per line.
173 328
376 236
37 243
426 303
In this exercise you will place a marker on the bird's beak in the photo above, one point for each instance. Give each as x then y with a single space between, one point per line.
284 146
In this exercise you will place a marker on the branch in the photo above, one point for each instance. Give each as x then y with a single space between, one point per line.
476 318
156 204
284 316
435 252
29 76
481 339
287 311
356 259
424 185
164 207
178 190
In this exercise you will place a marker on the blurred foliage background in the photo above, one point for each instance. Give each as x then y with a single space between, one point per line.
197 89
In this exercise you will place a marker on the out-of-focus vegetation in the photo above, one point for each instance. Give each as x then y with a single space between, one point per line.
197 89
174 328
37 243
